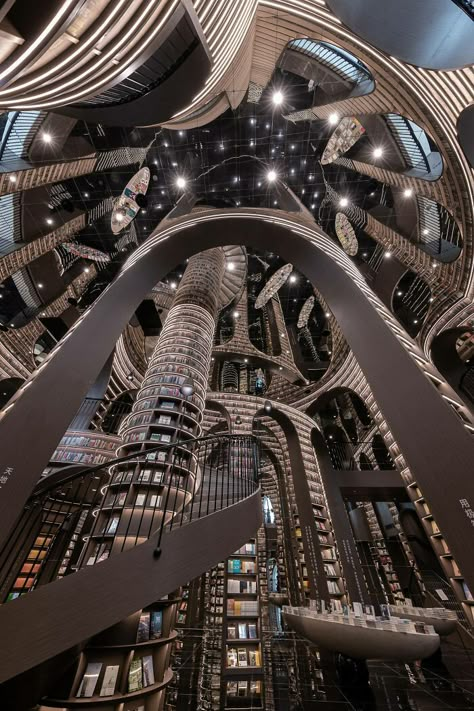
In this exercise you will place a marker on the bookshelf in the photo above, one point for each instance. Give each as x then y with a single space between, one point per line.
242 650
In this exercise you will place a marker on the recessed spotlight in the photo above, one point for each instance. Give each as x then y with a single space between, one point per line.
221 146
333 119
230 266
343 202
86 195
365 255
431 299
119 216
271 176
40 285
165 144
12 178
303 191
252 121
426 232
293 278
277 98
47 137
292 171
180 183
292 147
399 293
267 125
246 360
173 285
275 203
236 314
280 368
49 221
87 270
415 320
237 203
259 184
251 144
408 192
378 152
327 314
387 254
181 133
313 206
236 178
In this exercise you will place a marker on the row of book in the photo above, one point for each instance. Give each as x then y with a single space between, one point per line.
243 630
243 657
242 587
236 565
83 441
242 608
150 626
61 455
246 549
244 688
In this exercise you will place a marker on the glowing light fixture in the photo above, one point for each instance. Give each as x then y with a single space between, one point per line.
271 176
181 183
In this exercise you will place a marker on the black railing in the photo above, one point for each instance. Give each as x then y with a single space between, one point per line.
358 456
80 518
408 142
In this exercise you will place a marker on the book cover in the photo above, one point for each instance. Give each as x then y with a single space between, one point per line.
252 631
89 680
242 657
231 657
156 625
231 633
148 671
135 680
242 630
143 631
109 681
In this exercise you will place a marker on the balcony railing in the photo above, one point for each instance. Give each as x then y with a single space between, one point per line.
358 456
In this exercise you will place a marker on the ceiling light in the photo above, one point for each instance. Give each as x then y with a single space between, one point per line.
280 368
180 183
181 133
236 314
310 177
431 298
47 137
119 217
293 278
251 144
246 360
343 202
303 191
292 146
165 144
86 195
271 176
252 121
236 179
327 314
282 335
230 266
267 125
399 293
292 171
173 285
371 194
49 221
12 178
365 254
40 285
259 184
426 232
378 152
275 203
237 203
387 254
87 270
333 119
221 146
277 98
408 192
313 206
415 320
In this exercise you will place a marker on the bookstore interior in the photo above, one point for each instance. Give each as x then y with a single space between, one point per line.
237 355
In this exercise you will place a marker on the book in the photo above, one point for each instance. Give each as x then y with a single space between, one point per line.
242 657
156 624
252 631
143 631
140 500
231 688
135 679
89 680
148 671
231 632
254 658
232 657
242 630
109 681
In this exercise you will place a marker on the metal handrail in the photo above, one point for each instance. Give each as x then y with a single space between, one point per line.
80 518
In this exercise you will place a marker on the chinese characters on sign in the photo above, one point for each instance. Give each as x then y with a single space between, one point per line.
466 507
8 471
